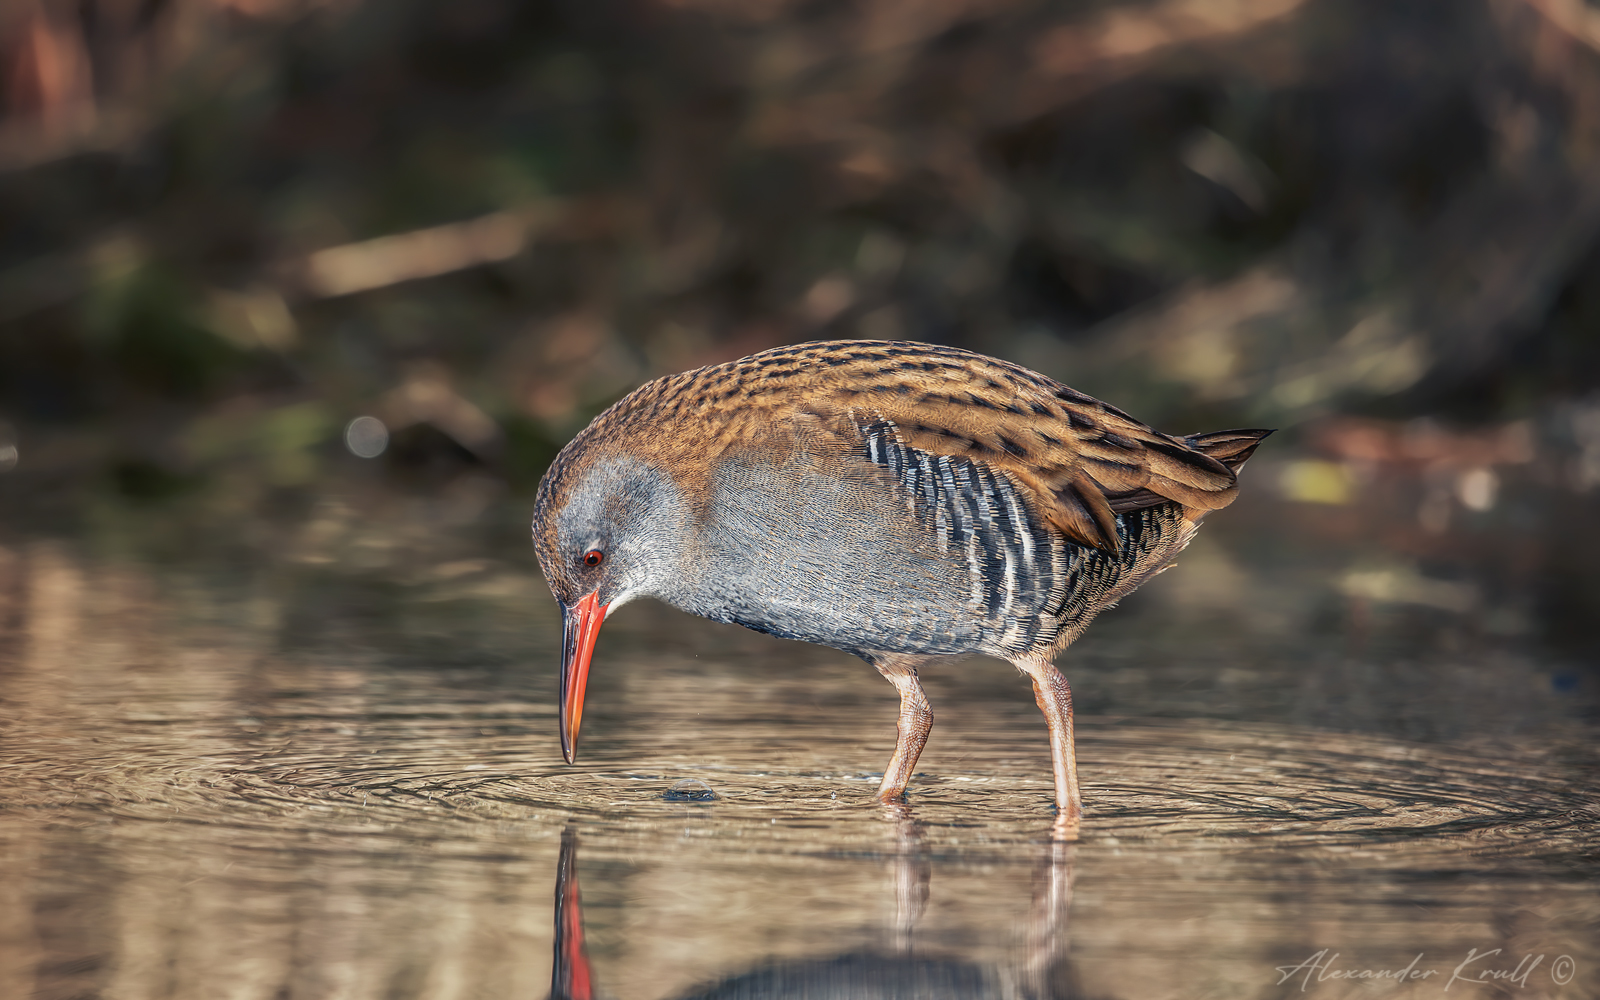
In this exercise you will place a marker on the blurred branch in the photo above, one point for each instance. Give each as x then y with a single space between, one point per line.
49 86
1576 18
421 253
1113 41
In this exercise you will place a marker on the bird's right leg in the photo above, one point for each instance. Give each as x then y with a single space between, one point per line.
1054 698
916 720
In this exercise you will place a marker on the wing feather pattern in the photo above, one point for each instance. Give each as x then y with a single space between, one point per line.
1077 461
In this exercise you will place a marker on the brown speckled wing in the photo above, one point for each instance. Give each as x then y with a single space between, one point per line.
1078 460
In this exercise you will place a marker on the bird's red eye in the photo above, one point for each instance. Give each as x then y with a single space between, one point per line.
593 557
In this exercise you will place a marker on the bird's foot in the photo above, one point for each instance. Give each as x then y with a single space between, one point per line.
1066 826
898 813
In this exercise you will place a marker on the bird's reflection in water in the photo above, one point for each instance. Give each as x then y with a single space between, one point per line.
1045 974
571 976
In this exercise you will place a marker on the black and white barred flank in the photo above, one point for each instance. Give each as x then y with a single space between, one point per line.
1027 584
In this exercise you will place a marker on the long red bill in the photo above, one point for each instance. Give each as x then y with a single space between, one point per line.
579 629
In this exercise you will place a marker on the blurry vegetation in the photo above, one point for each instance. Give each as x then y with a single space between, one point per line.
228 227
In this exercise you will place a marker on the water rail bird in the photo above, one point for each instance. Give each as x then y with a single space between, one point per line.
899 501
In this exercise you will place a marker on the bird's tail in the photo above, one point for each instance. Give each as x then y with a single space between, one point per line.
1231 448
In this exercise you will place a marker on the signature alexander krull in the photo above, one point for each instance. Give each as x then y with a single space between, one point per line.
1478 967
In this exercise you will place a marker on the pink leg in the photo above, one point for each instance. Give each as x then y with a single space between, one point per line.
916 721
1054 698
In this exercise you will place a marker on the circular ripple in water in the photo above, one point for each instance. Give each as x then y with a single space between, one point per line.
1168 783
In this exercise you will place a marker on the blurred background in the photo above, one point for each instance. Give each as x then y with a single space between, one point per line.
229 228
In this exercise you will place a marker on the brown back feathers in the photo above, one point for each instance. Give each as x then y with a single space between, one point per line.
1078 460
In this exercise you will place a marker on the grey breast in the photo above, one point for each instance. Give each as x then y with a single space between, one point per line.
823 548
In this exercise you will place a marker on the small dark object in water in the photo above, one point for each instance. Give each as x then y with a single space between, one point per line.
689 790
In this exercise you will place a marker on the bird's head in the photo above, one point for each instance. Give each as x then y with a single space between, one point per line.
606 530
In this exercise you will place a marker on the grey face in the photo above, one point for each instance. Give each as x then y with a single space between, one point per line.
619 533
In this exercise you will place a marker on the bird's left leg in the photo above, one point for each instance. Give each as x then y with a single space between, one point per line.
916 719
1054 698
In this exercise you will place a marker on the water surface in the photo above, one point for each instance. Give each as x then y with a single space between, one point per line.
321 761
